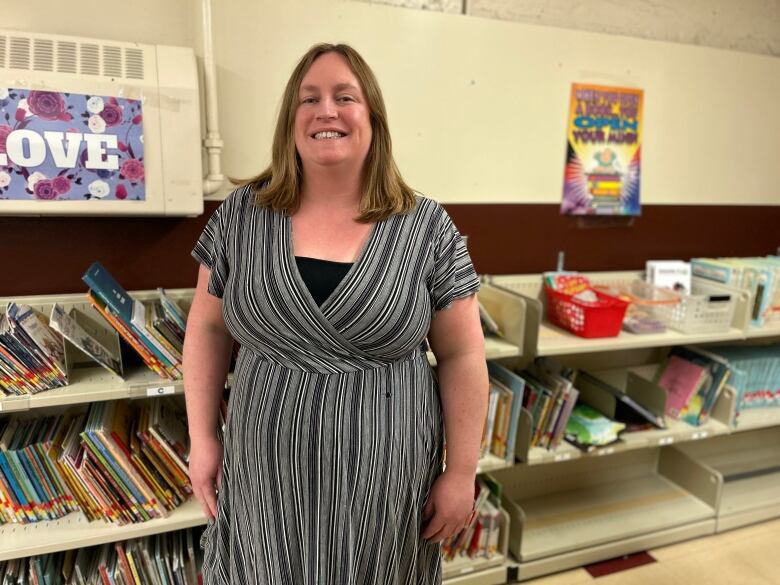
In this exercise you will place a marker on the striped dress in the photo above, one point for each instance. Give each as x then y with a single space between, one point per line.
334 433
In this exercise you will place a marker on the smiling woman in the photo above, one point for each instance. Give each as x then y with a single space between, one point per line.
332 125
330 272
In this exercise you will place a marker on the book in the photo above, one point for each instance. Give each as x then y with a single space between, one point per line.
682 380
128 335
67 325
698 408
517 385
130 311
588 429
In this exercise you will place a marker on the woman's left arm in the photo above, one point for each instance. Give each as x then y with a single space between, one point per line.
457 342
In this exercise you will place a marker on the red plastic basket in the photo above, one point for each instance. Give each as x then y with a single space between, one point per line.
602 318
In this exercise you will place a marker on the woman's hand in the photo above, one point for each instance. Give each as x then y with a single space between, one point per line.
205 467
449 506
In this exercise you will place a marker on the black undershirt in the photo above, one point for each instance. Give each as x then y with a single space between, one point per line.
321 276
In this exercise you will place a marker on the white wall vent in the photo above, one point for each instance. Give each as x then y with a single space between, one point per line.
162 78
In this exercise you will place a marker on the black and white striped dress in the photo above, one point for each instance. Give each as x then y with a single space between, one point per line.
334 433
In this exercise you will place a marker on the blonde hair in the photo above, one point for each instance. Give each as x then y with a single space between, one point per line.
384 191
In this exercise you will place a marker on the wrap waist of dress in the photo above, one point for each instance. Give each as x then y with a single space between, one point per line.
327 365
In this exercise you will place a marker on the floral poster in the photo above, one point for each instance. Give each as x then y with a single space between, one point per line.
603 154
70 147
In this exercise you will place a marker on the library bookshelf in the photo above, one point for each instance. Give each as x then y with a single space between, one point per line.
91 383
652 488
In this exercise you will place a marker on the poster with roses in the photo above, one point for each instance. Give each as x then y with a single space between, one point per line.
70 147
603 156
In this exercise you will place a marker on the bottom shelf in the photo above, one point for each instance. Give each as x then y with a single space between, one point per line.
592 554
590 508
75 531
749 500
494 576
748 466
605 513
476 571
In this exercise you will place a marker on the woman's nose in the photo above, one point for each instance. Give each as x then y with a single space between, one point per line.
327 109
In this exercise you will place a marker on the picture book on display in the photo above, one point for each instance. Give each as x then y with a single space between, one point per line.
155 332
32 355
67 326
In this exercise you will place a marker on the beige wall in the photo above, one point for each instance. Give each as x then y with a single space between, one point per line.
168 22
747 25
477 106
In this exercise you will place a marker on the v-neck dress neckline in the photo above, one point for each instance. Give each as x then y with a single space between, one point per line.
300 284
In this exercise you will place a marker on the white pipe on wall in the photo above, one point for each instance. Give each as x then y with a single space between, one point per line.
213 143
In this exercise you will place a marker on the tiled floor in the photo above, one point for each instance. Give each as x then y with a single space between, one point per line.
746 556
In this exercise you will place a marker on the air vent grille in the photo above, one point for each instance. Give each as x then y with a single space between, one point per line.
20 53
66 57
43 52
3 52
90 59
112 61
51 53
134 63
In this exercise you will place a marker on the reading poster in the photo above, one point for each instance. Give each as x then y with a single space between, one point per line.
67 146
603 154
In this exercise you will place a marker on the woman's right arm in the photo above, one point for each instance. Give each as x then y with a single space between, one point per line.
206 359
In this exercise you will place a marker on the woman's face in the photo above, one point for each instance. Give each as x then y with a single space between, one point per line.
332 123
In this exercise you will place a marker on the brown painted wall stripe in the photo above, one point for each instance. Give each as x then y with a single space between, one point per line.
48 255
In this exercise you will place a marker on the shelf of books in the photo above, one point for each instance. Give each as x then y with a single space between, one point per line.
75 531
639 440
573 513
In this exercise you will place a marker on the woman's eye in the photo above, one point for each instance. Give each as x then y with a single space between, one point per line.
308 100
345 98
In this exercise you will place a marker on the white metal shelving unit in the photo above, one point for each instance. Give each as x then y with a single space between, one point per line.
568 508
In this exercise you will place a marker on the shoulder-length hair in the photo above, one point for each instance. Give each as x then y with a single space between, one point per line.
384 191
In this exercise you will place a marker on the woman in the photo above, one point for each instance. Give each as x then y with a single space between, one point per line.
330 272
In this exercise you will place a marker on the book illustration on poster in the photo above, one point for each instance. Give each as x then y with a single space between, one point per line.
67 325
603 155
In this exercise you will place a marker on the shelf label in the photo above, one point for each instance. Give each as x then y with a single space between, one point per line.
606 451
466 570
700 435
666 441
563 457
160 390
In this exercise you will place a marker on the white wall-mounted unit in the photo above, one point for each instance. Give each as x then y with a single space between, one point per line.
156 88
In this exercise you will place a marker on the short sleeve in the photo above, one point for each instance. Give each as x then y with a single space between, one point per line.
210 249
453 275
